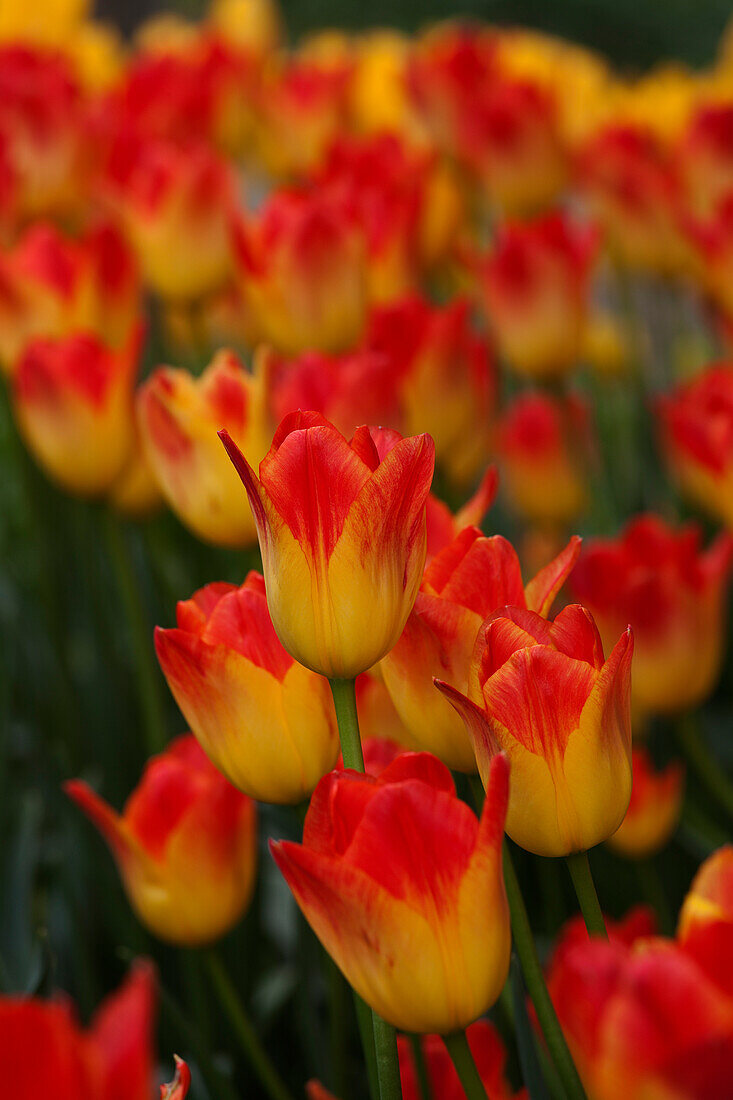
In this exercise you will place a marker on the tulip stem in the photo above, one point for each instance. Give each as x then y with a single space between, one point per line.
460 1053
244 1029
708 770
344 699
534 979
366 1034
528 1057
382 1044
585 890
421 1069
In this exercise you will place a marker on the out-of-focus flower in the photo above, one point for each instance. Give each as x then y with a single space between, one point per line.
40 130
265 721
705 158
445 379
51 286
543 450
179 1086
503 128
634 195
179 416
606 345
489 1055
378 95
302 268
643 1021
251 25
185 845
136 492
403 930
45 1053
673 594
97 51
705 929
73 402
711 242
541 692
462 585
534 286
342 533
654 809
697 426
47 23
177 205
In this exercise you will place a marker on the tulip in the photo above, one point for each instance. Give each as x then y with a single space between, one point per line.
705 157
264 721
657 579
73 405
45 1053
404 930
302 269
489 1056
178 417
177 207
185 845
535 288
461 586
135 492
342 533
654 808
697 426
705 929
541 692
542 444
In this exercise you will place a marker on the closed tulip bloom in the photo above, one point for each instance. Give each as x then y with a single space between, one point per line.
697 431
535 286
542 693
659 580
654 809
461 586
342 533
179 416
74 408
265 721
185 845
404 930
44 1052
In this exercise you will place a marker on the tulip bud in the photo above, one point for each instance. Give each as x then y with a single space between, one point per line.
422 965
541 692
535 285
179 416
697 426
73 404
265 721
673 595
302 268
654 808
342 533
461 586
185 845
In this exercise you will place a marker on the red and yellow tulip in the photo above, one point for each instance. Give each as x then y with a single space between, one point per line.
654 809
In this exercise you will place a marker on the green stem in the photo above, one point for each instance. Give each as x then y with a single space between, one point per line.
460 1053
384 1039
244 1029
585 890
366 1033
708 770
528 1059
151 701
421 1069
534 979
388 1065
344 699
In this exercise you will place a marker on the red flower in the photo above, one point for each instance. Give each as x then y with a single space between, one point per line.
489 1056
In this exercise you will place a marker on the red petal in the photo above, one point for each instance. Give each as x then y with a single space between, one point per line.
122 1032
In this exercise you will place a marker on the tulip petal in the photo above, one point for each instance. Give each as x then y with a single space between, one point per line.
121 1033
575 633
541 591
476 572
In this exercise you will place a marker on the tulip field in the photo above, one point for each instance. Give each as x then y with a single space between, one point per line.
366 435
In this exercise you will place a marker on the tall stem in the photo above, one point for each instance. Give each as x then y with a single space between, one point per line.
384 1049
585 889
460 1052
708 770
535 981
244 1030
364 1018
528 1059
421 1069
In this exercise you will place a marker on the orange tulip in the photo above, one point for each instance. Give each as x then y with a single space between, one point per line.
178 417
541 692
185 845
73 404
403 930
342 533
265 721
673 594
462 585
654 808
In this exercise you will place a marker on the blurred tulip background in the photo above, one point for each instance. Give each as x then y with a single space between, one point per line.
366 365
